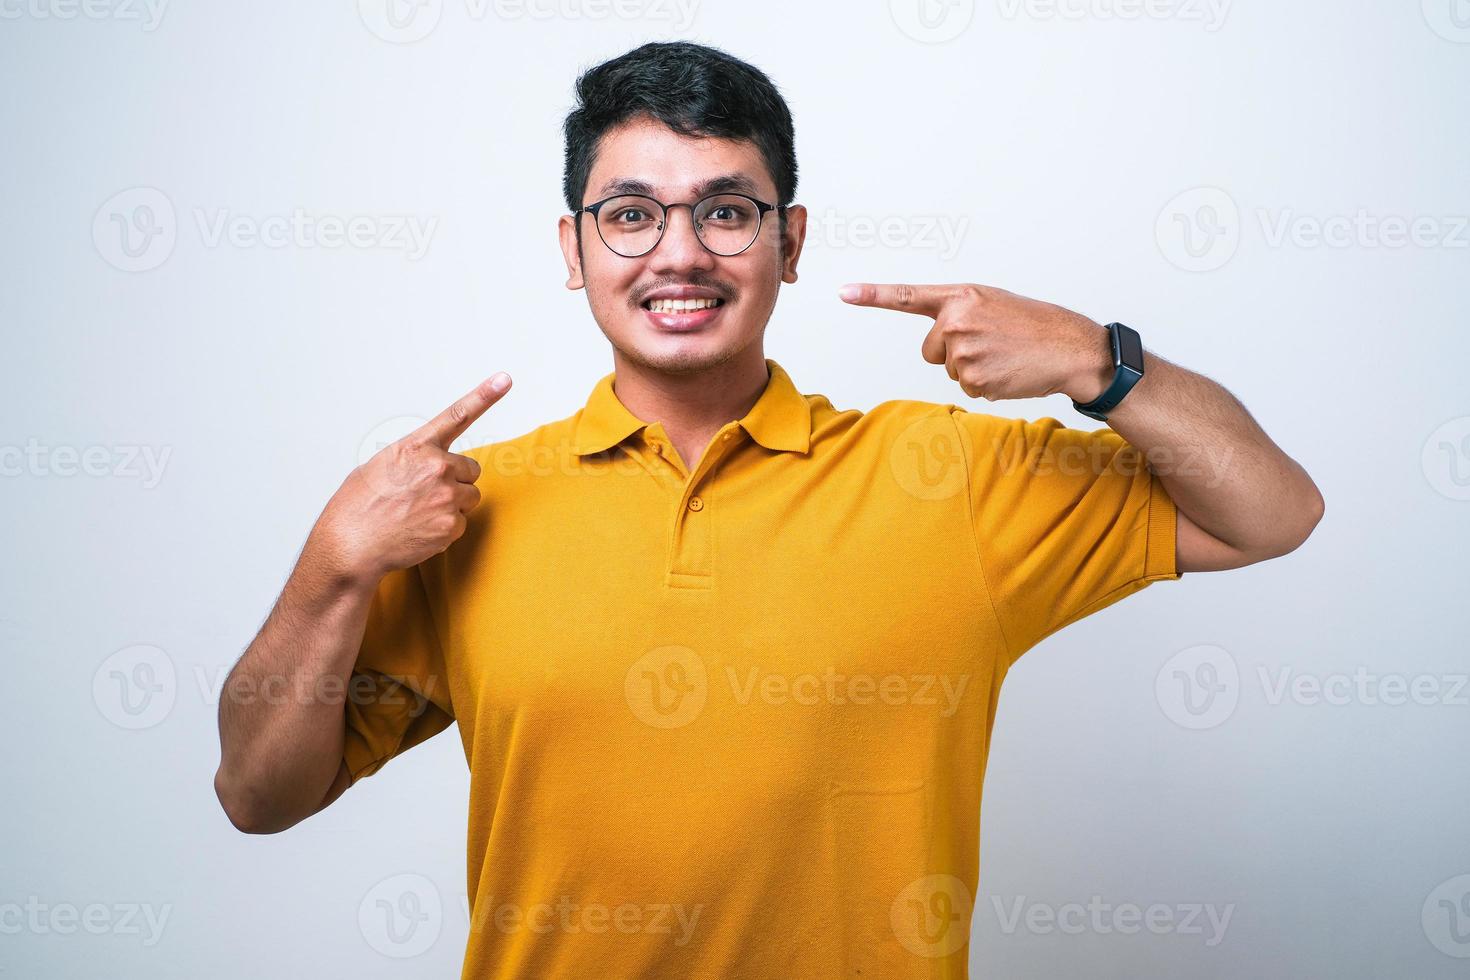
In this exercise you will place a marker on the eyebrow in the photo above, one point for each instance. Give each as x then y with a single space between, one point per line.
723 184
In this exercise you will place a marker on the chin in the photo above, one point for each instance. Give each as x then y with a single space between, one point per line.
687 354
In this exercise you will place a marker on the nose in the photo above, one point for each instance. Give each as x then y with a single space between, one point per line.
680 249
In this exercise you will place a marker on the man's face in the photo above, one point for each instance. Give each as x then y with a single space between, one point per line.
679 169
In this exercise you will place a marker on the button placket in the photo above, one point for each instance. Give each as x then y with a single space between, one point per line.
691 557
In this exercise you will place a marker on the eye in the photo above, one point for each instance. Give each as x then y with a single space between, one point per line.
631 215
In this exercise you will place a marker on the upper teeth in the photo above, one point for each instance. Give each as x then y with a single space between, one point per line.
680 305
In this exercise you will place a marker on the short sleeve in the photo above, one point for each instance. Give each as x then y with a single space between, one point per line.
398 692
1067 521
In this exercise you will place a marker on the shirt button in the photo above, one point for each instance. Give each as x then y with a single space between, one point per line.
696 504
657 448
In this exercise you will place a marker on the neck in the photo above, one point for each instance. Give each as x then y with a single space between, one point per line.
694 406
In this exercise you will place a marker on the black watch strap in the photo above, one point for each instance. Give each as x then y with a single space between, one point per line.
1127 369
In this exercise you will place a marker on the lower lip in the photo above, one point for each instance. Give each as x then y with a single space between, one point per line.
680 322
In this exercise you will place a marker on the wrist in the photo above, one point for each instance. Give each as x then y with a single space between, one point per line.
336 567
1095 370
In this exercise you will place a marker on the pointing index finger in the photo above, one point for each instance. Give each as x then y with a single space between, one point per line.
451 423
906 298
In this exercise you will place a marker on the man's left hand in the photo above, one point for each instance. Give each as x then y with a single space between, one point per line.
999 345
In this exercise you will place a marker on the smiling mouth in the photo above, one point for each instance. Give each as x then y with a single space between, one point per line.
681 305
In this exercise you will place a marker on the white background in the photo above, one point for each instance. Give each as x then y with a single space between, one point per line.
1059 138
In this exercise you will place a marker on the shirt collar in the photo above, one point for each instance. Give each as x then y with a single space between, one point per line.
781 418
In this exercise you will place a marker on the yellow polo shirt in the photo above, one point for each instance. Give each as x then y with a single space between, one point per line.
732 720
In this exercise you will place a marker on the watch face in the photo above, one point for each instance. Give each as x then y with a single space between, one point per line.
1130 349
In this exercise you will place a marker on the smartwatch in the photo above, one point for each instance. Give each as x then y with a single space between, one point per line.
1127 369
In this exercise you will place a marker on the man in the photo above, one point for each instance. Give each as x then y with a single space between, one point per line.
725 658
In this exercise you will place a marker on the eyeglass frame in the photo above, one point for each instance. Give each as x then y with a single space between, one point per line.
762 208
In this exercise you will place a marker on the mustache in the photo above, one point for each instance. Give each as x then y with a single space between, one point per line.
723 289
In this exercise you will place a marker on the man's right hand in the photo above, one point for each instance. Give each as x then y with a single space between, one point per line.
410 501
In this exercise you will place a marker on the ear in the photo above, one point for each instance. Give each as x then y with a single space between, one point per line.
792 241
566 230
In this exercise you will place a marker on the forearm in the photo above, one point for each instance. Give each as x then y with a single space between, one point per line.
281 715
1218 465
1238 495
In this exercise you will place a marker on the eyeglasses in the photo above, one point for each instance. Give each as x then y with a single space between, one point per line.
633 225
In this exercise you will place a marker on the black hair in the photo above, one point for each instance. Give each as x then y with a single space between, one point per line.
695 90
